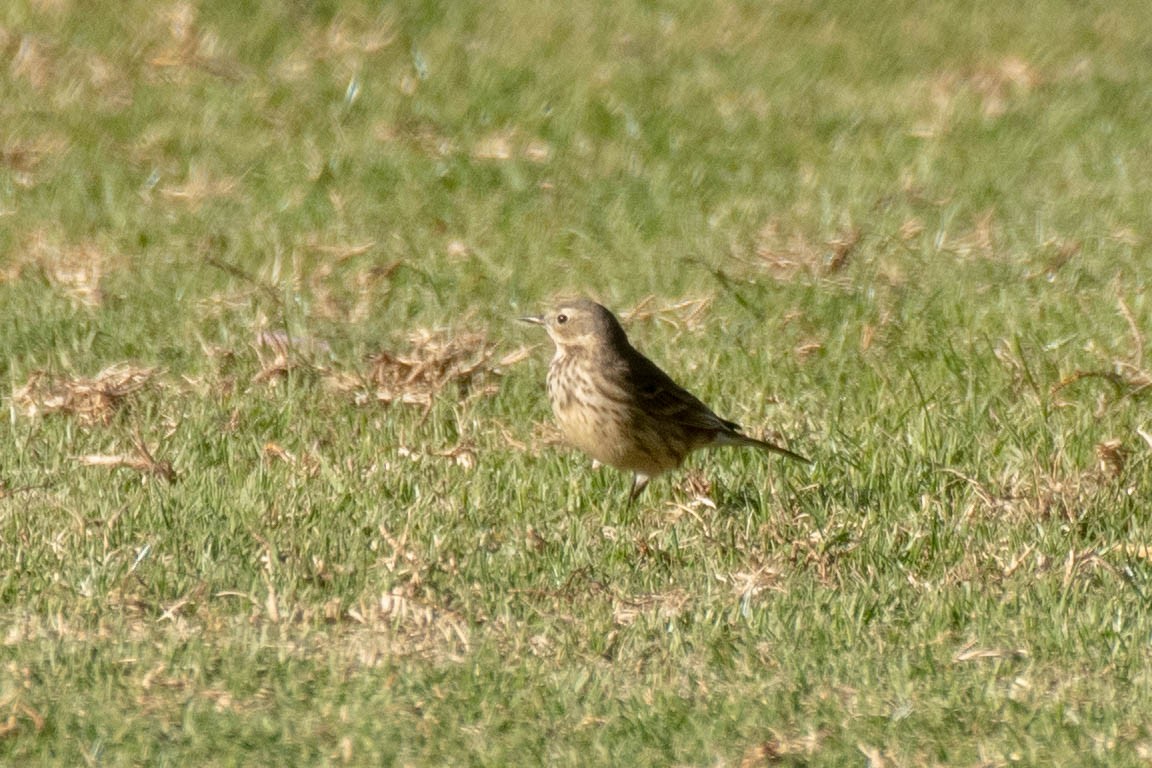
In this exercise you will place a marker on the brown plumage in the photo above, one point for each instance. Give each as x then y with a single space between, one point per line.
618 407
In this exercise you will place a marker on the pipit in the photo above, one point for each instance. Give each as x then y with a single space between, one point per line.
618 407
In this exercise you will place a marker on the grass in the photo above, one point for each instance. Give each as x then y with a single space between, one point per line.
278 483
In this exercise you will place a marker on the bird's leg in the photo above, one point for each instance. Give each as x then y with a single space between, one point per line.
639 483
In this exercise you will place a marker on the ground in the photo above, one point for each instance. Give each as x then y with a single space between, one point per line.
278 481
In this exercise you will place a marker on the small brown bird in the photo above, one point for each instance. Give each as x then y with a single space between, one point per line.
618 407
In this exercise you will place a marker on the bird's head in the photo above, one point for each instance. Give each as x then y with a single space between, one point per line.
580 323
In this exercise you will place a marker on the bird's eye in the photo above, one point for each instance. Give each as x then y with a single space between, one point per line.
561 318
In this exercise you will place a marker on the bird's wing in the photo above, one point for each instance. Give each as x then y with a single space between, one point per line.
664 398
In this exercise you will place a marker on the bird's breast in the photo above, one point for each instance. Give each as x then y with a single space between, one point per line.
598 417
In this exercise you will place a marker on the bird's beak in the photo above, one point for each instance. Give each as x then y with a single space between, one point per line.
533 320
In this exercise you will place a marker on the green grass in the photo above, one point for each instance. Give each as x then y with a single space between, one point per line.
914 241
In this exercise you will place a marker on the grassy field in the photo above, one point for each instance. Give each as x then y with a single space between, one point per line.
278 481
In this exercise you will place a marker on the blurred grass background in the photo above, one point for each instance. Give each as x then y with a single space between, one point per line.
277 480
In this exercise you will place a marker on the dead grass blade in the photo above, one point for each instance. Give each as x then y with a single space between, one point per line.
281 353
971 652
1136 359
20 712
843 245
684 315
199 186
307 464
190 47
505 145
626 609
142 461
1126 380
462 455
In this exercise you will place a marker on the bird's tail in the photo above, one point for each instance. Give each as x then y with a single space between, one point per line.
735 438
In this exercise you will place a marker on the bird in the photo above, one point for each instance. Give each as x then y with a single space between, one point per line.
619 407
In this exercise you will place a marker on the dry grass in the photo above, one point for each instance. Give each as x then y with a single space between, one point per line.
993 90
189 45
200 186
93 400
434 361
684 315
142 460
784 255
76 271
